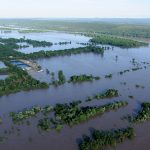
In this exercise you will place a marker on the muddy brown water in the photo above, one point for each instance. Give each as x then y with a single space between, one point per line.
30 138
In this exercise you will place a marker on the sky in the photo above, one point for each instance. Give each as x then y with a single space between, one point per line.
74 8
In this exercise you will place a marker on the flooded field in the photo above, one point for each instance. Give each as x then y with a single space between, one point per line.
113 62
53 37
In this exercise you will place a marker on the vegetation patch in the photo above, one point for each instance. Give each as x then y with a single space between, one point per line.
109 76
14 43
143 114
72 113
19 80
82 78
108 94
28 113
116 41
44 124
100 140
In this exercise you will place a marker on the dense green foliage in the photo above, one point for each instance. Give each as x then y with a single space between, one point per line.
14 43
19 80
120 27
45 124
110 93
69 114
45 54
82 78
143 114
7 52
28 113
107 94
100 140
72 113
116 41
61 78
36 43
4 70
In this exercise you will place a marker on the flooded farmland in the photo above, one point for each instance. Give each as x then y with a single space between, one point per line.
54 37
113 61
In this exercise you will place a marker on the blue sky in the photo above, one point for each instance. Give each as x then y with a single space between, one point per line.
75 8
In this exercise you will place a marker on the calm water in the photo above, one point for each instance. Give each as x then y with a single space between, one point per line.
53 37
2 65
97 65
2 76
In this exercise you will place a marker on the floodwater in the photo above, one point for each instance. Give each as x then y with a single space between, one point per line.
2 65
30 138
2 76
53 37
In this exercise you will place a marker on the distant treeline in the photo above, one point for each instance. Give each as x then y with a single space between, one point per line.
116 41
125 29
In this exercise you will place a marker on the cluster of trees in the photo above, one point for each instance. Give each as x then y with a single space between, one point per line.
124 71
44 124
139 86
108 76
110 93
82 78
116 41
143 114
134 69
63 43
75 78
102 139
61 78
7 51
28 113
14 43
36 43
72 113
45 54
19 80
69 113
137 68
